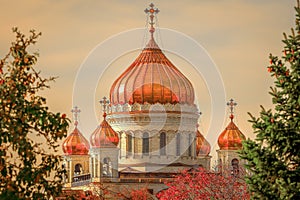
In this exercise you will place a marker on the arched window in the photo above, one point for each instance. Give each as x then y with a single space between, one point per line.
129 144
162 142
177 144
107 167
235 167
145 143
220 166
78 169
190 145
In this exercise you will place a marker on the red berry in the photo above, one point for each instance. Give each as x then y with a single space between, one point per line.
287 73
63 116
270 69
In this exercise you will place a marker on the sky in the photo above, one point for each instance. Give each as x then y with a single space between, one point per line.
236 35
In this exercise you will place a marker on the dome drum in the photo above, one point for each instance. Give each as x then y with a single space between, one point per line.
142 120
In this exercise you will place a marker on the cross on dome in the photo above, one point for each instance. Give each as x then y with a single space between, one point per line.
152 12
231 104
75 112
104 103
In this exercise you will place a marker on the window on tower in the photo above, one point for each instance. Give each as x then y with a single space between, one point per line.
78 169
107 167
235 167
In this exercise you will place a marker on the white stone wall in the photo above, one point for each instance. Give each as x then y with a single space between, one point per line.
98 165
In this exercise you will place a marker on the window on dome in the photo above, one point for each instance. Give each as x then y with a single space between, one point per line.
129 144
177 144
162 140
145 143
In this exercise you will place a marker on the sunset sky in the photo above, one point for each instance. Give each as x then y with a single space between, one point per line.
238 36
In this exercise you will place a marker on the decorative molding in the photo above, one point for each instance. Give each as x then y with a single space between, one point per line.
153 107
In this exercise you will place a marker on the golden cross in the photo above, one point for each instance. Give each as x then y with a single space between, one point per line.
76 112
231 105
152 12
104 103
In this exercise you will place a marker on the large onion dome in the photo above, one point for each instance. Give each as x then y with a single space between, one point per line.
152 78
104 136
202 145
231 138
76 144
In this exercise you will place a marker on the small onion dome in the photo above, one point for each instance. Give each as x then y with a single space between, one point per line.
152 78
231 138
104 136
202 145
76 144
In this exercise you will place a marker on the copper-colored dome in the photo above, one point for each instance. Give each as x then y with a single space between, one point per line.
231 138
76 144
152 78
104 136
202 145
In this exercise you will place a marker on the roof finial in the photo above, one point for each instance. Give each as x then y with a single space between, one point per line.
152 12
104 103
75 112
231 105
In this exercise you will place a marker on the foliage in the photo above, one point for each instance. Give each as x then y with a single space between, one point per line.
102 191
140 194
273 157
201 184
28 131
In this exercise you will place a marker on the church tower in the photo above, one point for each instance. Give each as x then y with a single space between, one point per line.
76 157
230 141
152 109
104 153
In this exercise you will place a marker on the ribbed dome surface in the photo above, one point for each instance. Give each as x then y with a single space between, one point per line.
202 145
104 136
76 144
231 138
152 78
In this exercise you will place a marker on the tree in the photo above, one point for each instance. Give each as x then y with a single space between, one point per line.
29 132
273 157
201 184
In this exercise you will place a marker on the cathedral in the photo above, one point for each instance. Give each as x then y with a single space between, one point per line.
149 131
